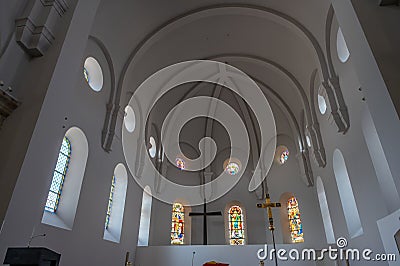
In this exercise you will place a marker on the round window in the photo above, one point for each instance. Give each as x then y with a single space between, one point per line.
93 74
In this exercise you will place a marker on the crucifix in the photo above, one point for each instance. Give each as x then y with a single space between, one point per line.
269 205
205 214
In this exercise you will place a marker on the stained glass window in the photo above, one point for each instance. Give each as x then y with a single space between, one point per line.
180 163
86 74
110 200
178 222
236 226
296 227
232 168
284 156
59 174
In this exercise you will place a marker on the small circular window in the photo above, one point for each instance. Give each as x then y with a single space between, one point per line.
232 166
342 50
93 74
129 119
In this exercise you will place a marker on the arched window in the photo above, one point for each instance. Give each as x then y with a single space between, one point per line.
346 195
326 217
144 226
296 227
59 174
116 204
236 226
65 187
178 224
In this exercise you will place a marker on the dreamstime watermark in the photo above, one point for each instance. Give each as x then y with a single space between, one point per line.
192 74
330 253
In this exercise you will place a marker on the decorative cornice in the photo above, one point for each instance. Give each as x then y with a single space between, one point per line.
34 31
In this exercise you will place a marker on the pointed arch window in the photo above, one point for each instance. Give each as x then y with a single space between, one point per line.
296 227
59 174
178 223
236 226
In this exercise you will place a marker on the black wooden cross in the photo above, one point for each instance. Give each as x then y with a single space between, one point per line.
205 214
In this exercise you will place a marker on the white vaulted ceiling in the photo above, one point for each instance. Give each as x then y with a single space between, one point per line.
278 43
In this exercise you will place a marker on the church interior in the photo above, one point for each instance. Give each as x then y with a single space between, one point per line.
114 149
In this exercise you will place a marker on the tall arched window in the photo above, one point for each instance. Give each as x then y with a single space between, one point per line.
236 226
116 204
144 226
65 187
59 174
296 227
178 224
346 195
326 217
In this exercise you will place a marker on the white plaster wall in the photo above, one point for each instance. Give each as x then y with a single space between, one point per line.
70 102
232 255
368 196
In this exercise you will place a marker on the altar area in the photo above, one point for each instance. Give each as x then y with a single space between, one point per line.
232 255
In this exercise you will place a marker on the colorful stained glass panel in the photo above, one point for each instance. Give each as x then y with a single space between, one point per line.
232 168
178 222
284 157
180 163
236 226
296 227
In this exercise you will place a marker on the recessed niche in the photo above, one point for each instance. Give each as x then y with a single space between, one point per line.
93 74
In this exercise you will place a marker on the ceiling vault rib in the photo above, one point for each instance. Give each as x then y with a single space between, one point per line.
137 50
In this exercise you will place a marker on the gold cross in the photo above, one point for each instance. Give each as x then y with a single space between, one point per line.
269 205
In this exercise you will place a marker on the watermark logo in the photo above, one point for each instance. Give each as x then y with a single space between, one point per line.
340 252
192 73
